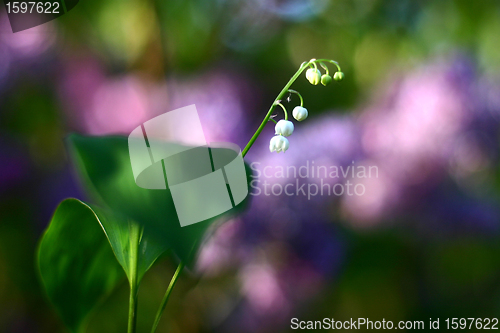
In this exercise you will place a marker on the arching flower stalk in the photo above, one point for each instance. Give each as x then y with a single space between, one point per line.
285 127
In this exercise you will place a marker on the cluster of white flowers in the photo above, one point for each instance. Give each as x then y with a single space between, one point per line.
285 127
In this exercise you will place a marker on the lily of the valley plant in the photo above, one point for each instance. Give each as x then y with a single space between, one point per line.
89 247
285 127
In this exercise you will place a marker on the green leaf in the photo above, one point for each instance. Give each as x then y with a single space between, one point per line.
76 264
104 166
121 235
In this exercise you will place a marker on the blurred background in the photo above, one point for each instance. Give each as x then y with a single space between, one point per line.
420 100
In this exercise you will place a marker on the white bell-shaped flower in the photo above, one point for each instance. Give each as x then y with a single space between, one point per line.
278 143
300 113
313 75
284 127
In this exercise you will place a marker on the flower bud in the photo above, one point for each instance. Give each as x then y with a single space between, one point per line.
338 76
278 143
284 127
326 79
308 73
313 75
300 113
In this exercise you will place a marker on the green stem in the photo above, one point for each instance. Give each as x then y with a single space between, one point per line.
297 93
132 310
325 68
135 238
284 109
279 97
330 61
313 61
167 296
